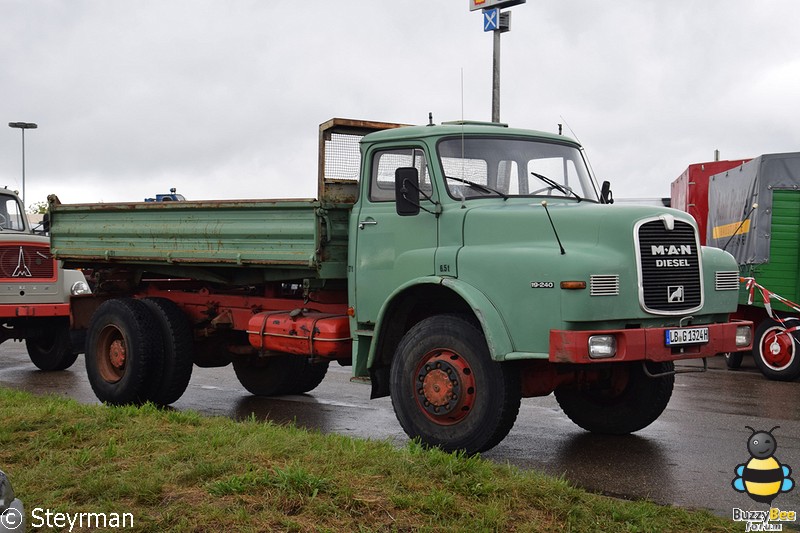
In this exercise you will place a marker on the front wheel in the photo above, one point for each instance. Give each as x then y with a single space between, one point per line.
447 391
52 349
775 352
733 360
622 399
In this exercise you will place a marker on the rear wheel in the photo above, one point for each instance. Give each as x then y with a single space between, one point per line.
123 345
447 391
775 352
170 379
279 374
623 400
52 349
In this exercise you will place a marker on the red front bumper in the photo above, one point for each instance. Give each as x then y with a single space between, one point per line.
568 346
33 310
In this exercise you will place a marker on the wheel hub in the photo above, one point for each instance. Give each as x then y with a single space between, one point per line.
111 354
445 387
778 348
117 354
438 389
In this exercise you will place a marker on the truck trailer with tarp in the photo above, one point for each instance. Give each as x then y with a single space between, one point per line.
689 191
754 213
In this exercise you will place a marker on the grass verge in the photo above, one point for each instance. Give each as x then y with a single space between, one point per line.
180 471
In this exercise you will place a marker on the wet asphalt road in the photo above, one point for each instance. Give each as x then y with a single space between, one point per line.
686 458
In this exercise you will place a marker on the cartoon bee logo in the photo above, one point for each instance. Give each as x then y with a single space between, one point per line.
762 477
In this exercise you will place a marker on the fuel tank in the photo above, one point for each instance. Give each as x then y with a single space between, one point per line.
301 332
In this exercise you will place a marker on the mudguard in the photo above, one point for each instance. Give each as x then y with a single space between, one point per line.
492 324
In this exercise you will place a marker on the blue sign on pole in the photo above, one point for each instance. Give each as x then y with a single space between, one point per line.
491 19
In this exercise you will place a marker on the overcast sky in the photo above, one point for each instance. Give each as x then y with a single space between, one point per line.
222 99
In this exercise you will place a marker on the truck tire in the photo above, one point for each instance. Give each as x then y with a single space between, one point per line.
170 379
52 350
627 400
776 354
279 374
123 344
447 391
733 360
305 377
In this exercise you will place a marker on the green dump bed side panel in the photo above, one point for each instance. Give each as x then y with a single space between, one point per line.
293 235
780 274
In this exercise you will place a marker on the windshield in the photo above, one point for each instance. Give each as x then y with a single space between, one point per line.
508 167
11 216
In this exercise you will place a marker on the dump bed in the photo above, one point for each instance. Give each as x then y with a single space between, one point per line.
280 239
298 237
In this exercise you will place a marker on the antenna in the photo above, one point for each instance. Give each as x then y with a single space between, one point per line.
544 204
583 148
570 129
462 94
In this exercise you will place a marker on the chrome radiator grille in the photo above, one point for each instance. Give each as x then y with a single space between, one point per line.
669 267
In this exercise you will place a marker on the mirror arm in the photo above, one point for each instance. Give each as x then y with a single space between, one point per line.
437 206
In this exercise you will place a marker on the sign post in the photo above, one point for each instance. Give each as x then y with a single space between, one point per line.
498 22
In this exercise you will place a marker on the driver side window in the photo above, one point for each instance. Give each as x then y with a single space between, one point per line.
384 165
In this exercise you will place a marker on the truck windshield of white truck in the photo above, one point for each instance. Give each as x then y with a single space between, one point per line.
11 216
481 167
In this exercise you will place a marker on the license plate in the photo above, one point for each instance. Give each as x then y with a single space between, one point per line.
686 336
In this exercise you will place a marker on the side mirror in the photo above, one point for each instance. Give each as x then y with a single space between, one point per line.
46 222
406 190
606 196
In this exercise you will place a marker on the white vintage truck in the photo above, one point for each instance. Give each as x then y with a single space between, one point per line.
35 291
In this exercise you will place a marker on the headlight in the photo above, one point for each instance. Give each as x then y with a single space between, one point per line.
79 288
744 336
602 346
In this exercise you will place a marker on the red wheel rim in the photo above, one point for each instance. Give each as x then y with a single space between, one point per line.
111 354
777 348
444 387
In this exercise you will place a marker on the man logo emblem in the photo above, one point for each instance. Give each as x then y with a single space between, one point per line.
675 294
22 270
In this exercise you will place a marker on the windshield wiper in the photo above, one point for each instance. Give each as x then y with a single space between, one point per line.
484 188
555 185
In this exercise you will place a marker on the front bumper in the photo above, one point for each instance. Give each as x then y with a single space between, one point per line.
568 346
33 310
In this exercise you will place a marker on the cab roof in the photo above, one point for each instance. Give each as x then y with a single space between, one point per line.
467 128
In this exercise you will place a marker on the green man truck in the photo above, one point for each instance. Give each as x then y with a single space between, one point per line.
35 290
457 267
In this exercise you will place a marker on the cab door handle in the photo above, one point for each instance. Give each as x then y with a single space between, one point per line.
367 222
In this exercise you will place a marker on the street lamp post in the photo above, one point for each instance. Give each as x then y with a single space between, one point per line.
23 126
497 22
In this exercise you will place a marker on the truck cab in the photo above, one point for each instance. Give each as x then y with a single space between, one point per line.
466 228
34 290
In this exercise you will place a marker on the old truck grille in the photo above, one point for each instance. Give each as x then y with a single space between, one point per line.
22 262
669 266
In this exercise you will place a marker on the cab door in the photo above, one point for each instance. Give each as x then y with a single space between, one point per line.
390 249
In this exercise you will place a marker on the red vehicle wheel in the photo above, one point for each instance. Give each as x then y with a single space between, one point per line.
447 391
775 351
